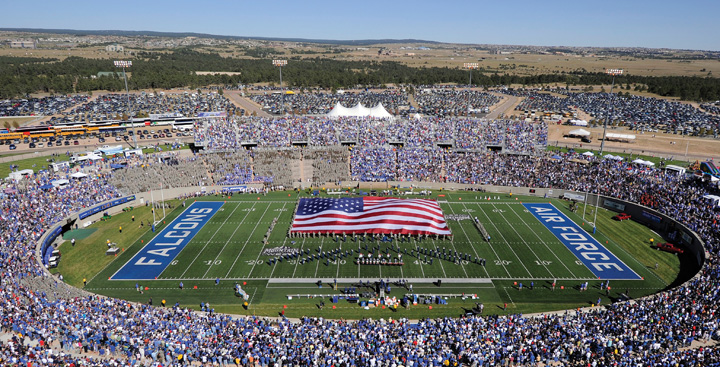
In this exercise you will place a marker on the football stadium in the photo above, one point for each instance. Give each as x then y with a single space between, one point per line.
408 220
208 247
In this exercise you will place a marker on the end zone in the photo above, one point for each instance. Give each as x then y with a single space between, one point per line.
152 259
603 263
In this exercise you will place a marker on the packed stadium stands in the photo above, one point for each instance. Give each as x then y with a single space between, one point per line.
50 323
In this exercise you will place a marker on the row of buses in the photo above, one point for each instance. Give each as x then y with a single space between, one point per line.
94 128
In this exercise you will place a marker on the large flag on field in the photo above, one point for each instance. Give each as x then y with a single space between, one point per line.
369 215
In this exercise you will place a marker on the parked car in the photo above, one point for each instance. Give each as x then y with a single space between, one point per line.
669 247
76 142
32 145
12 147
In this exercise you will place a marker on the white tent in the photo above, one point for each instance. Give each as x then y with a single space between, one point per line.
579 122
621 137
359 111
338 111
579 132
588 154
417 116
78 175
379 112
644 163
60 183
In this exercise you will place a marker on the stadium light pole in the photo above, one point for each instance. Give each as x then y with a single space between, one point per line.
470 66
126 64
612 72
280 64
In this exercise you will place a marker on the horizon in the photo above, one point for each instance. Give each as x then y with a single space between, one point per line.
656 25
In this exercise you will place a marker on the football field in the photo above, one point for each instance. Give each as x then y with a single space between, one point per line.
248 239
214 244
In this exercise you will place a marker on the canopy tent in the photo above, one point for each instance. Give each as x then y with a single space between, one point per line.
619 137
579 132
78 175
556 157
644 163
60 183
579 122
613 157
359 111
588 154
46 186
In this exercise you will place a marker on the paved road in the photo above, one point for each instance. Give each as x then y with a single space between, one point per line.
503 108
244 103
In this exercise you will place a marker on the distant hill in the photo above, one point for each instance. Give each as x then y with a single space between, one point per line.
77 32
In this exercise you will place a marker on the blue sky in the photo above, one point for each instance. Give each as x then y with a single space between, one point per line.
672 24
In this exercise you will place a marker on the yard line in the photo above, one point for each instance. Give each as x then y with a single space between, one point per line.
337 274
274 265
510 247
322 241
623 250
488 242
298 261
440 261
358 251
263 246
208 241
523 240
422 270
229 239
470 242
543 242
248 239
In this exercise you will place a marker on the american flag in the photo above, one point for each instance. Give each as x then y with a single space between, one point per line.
369 215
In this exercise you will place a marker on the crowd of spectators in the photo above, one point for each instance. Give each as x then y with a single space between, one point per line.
44 106
170 105
635 112
320 103
517 136
453 102
91 330
330 164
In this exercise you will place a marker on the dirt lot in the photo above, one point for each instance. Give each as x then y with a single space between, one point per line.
652 144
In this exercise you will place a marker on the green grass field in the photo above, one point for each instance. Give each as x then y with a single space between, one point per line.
230 246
